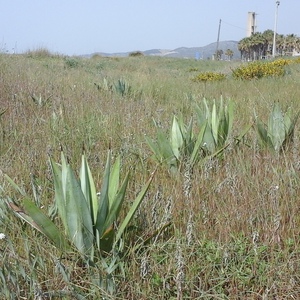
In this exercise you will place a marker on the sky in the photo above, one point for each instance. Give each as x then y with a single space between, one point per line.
77 27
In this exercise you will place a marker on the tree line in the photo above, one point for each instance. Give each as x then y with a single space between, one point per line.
260 45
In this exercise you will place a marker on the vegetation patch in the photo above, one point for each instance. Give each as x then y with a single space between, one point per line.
204 204
281 62
136 54
71 62
258 69
209 76
39 53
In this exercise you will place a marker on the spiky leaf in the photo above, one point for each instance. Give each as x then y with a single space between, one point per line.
79 219
176 138
45 225
133 209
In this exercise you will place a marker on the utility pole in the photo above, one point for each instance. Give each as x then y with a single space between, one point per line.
218 40
275 29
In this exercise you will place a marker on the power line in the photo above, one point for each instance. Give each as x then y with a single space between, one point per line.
234 25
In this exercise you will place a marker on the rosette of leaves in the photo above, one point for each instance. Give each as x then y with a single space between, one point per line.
88 219
41 101
279 130
218 120
180 145
123 88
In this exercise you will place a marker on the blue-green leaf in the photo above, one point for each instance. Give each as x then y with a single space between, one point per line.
45 225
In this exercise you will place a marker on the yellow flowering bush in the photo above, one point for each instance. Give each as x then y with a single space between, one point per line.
281 62
256 70
209 76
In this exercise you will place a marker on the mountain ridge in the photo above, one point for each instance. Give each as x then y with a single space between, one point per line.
205 52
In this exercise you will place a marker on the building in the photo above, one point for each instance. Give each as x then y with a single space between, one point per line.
251 24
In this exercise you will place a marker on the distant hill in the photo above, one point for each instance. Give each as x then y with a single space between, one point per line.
184 52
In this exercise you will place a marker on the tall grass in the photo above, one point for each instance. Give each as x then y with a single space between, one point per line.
233 235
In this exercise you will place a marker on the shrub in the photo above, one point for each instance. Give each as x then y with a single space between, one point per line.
258 70
71 62
39 53
209 76
96 56
281 62
136 54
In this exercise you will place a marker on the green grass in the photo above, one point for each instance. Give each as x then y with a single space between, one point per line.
235 235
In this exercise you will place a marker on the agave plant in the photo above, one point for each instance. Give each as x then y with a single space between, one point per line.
219 124
40 101
104 86
280 128
123 88
88 219
181 144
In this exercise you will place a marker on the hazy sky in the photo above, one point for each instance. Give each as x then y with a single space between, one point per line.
83 27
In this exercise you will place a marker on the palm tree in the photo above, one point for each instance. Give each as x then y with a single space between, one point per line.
268 36
229 54
290 43
260 45
257 45
244 48
219 54
280 44
297 44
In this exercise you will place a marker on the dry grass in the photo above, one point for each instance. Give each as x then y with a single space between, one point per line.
235 236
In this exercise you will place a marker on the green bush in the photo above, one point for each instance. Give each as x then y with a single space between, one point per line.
193 70
39 53
71 62
136 54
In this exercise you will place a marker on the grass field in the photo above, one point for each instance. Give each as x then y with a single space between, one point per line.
227 229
